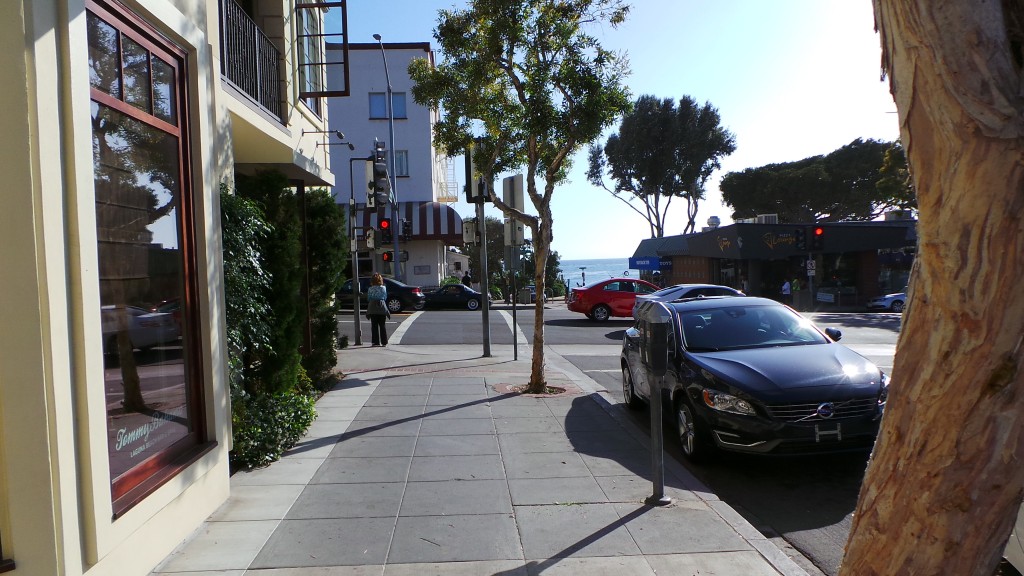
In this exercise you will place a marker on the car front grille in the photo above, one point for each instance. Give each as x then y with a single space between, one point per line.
809 412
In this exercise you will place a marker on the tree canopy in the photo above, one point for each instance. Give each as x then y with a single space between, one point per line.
662 152
527 82
859 181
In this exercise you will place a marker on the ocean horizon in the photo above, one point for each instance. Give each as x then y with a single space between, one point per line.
592 270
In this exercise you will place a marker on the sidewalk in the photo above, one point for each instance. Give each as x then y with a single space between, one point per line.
421 462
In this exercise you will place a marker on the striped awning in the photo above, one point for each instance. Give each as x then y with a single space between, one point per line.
430 220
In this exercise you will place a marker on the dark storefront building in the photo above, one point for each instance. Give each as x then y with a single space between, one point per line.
832 264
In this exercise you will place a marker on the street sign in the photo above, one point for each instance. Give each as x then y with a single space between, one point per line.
810 265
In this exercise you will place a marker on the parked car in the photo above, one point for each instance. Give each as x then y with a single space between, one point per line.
892 302
454 296
172 307
400 295
680 291
145 329
751 375
606 298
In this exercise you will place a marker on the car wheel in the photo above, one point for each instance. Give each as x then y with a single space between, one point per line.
601 313
473 304
692 434
394 305
419 306
897 306
632 401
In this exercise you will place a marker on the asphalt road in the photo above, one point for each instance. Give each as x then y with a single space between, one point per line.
807 501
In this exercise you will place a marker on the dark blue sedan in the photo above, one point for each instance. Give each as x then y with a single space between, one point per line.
751 375
454 296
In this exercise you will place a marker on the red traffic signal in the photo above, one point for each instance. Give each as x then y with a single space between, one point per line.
817 238
818 230
385 224
388 256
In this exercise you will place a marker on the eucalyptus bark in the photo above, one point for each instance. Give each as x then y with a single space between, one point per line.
945 481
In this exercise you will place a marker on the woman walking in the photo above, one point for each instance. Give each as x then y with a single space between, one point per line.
377 310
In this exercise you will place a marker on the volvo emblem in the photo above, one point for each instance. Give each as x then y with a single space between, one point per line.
826 410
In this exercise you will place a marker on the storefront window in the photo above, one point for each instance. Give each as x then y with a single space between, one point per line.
145 253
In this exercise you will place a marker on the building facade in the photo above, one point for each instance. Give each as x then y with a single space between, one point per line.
423 177
124 121
844 264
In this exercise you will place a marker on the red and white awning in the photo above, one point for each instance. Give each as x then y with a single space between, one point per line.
430 220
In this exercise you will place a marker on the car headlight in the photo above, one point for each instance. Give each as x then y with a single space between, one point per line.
883 396
727 403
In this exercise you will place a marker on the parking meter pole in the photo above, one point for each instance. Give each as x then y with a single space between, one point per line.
484 285
658 498
514 267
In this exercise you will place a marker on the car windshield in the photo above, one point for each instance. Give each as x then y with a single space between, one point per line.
666 291
736 327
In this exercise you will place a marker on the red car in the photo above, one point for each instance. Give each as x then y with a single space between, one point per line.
613 297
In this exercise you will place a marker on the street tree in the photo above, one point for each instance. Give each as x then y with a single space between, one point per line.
841 185
944 483
662 152
529 83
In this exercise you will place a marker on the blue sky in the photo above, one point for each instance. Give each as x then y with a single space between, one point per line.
790 78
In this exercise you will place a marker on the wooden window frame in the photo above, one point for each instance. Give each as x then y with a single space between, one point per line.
133 486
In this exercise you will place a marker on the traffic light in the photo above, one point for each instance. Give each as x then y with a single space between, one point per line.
389 256
370 237
800 236
817 238
406 230
381 181
385 231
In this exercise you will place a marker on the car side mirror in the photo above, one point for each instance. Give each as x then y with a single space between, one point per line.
834 333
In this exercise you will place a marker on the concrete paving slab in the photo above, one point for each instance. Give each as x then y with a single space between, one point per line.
372 500
531 442
290 471
545 465
389 413
455 399
616 566
401 389
491 567
453 497
258 503
609 440
375 446
419 399
636 489
362 470
320 571
437 468
500 410
209 573
455 538
469 445
619 464
342 400
683 527
449 427
220 546
335 413
312 448
480 410
573 530
536 491
408 427
545 425
713 564
327 542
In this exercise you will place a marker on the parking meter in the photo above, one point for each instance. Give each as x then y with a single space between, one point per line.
655 321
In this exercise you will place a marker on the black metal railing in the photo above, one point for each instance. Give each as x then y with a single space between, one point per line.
248 58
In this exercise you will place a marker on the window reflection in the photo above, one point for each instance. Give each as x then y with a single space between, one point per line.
140 269
104 62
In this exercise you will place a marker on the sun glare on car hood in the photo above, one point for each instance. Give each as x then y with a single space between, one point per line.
792 367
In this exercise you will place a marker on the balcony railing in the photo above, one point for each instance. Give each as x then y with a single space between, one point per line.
249 59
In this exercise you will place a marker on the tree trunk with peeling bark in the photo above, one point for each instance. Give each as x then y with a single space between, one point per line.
945 481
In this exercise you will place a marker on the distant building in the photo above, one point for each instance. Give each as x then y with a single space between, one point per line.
123 121
424 177
854 262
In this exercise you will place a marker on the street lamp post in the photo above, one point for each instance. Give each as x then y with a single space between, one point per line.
391 144
357 328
